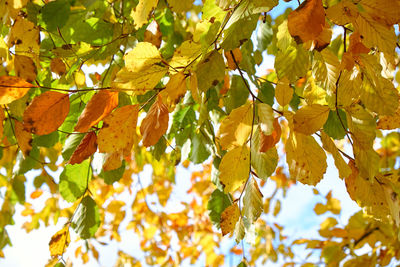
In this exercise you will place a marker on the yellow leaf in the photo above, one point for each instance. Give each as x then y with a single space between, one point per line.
306 22
85 149
12 88
98 107
25 68
24 138
252 201
266 118
155 124
59 242
306 159
25 36
175 88
46 113
234 168
229 218
292 63
236 127
310 118
142 11
2 117
112 161
389 122
384 11
142 57
342 13
179 6
341 165
186 53
283 92
118 131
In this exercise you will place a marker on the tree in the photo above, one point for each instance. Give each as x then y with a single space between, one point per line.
175 84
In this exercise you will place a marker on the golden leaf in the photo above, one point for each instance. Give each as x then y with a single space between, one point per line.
234 168
175 88
229 218
25 37
85 149
283 92
118 130
155 124
310 118
59 242
25 68
266 118
142 11
142 57
238 58
46 112
12 88
98 107
341 165
179 6
236 127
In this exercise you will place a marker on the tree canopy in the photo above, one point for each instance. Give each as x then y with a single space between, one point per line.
94 92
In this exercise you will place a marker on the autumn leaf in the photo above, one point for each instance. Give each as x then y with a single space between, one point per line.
155 124
283 92
236 127
59 242
85 149
229 218
238 58
142 11
24 138
118 131
98 107
25 68
252 201
153 34
2 117
46 113
175 88
307 21
269 141
57 66
310 118
234 168
12 88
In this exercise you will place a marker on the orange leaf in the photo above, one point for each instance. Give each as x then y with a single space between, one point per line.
155 124
112 161
24 138
119 130
238 58
269 141
46 113
37 193
57 66
98 107
356 46
85 149
12 88
307 21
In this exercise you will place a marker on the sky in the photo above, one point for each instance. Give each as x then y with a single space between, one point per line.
297 215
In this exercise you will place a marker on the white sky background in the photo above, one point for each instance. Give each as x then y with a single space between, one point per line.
297 215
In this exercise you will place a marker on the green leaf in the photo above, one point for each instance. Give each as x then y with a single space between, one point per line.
22 165
333 126
237 94
200 151
86 220
264 36
74 180
217 203
267 93
48 140
55 14
210 71
159 148
18 186
252 201
114 175
292 63
239 32
264 163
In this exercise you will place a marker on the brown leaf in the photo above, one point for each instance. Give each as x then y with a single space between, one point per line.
155 124
98 107
229 218
24 138
85 149
269 141
57 66
238 58
153 34
25 68
46 113
307 21
12 88
356 46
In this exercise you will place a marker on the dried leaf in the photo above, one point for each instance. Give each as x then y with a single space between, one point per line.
59 242
85 149
229 218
